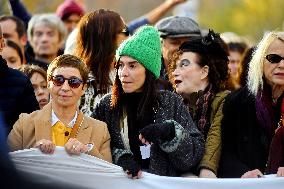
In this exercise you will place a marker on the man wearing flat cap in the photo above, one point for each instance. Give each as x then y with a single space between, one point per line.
174 30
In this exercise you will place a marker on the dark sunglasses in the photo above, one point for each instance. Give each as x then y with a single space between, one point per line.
73 82
274 58
125 31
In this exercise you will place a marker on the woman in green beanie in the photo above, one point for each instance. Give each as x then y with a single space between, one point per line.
150 130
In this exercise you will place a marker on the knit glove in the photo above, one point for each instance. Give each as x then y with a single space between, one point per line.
157 132
129 165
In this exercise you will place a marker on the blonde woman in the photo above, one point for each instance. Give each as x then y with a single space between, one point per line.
252 114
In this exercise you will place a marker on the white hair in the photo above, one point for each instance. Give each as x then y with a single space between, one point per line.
51 20
255 72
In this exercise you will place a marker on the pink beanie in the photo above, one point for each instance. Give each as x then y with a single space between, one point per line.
69 7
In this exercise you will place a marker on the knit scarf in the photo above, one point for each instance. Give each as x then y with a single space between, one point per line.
199 108
135 123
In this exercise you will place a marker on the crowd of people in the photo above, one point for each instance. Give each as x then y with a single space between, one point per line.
160 95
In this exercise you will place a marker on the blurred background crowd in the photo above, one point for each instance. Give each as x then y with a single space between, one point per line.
245 17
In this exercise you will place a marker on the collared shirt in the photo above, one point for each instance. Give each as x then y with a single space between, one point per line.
55 119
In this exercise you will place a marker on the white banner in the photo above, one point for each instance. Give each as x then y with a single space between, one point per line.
85 171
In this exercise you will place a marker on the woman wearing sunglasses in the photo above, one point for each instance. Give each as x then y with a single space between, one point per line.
60 123
253 113
138 115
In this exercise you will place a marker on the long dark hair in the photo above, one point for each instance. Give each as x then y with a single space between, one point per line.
245 65
96 44
15 46
148 100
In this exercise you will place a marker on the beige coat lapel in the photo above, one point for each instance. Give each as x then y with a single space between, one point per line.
43 126
84 133
43 123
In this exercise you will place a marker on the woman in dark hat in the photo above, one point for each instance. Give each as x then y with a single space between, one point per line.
200 74
137 114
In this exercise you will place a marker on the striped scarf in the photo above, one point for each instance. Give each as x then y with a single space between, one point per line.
199 108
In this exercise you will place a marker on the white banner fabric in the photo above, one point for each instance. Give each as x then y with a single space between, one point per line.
86 171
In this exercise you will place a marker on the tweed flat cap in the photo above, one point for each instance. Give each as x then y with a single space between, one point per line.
178 26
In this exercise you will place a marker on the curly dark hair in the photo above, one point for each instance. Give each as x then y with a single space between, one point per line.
96 44
213 52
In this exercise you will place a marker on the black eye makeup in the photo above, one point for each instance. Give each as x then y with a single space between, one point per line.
184 62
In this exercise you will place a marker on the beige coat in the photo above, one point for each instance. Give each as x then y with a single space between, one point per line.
33 127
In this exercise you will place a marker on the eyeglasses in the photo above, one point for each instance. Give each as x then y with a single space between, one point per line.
125 31
74 82
274 58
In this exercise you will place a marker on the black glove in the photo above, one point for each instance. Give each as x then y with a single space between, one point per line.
128 164
158 132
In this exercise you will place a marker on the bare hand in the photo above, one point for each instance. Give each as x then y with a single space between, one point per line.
143 140
280 172
175 2
45 146
206 173
74 147
252 174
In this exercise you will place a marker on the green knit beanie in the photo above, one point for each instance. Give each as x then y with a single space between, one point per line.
145 47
